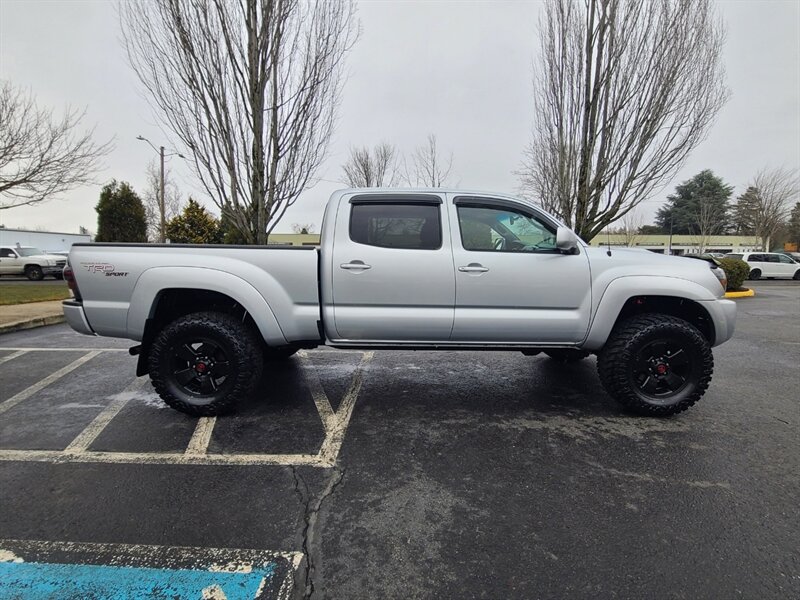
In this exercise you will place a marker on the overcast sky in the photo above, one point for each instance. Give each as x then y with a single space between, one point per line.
458 69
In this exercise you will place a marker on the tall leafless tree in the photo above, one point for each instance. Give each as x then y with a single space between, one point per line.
173 200
776 190
629 228
42 154
428 168
250 88
372 168
623 91
710 221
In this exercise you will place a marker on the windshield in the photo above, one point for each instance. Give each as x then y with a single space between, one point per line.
29 251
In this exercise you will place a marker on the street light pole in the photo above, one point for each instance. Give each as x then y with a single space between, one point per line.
163 232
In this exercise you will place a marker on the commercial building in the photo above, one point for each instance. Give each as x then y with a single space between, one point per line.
49 241
682 244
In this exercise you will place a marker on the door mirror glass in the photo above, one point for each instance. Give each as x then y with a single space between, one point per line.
566 240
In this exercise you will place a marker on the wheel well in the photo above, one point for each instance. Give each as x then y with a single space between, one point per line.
683 308
174 303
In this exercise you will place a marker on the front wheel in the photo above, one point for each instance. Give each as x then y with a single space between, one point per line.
204 363
656 365
34 273
796 275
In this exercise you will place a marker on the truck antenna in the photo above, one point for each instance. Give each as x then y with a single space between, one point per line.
608 242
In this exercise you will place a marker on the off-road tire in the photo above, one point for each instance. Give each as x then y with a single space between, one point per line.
755 275
239 344
616 365
34 273
566 355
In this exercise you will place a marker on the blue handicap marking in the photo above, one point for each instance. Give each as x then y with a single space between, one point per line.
35 581
32 570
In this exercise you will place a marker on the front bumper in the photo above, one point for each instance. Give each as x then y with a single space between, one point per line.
76 317
723 314
53 270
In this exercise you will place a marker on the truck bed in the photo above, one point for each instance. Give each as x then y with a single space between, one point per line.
122 284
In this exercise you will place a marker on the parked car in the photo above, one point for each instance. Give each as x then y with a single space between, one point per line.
31 262
434 269
769 265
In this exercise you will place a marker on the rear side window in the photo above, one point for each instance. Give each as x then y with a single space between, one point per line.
409 226
7 253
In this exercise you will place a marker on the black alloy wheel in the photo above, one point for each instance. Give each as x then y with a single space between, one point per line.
204 363
656 364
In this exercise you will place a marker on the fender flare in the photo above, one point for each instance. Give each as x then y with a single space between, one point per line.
157 279
622 289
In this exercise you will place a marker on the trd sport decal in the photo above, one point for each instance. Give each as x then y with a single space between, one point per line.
106 268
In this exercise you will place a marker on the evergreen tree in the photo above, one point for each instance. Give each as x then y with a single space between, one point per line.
120 215
195 225
696 203
793 226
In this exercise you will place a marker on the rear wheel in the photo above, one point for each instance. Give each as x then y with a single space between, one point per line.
204 363
656 365
566 355
34 273
755 275
796 275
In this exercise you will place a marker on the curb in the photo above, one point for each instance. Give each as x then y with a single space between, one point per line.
31 323
742 294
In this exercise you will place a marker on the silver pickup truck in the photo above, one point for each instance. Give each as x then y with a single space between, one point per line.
406 269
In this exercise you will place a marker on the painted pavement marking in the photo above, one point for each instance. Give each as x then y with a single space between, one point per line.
12 356
82 442
335 424
37 570
198 445
43 383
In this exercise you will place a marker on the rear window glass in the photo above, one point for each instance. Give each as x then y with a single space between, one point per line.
739 256
409 226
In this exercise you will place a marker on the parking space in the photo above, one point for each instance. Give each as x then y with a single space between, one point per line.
405 475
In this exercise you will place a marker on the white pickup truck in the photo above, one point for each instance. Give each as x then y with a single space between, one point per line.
406 269
30 262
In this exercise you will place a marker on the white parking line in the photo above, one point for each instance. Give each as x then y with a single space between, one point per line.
335 425
198 445
329 451
65 349
43 383
12 356
101 421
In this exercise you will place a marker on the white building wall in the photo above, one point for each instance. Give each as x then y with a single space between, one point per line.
49 241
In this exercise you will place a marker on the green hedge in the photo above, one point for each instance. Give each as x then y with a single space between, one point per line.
736 271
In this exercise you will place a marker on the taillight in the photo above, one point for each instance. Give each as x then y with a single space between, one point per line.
69 277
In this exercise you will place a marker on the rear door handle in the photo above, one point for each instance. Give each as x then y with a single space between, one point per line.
355 265
473 268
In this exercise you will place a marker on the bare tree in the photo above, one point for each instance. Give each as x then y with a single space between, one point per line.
776 190
623 91
428 168
710 221
629 228
372 168
42 154
152 206
250 88
303 228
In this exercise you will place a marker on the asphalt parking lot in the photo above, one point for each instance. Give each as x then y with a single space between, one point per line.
405 475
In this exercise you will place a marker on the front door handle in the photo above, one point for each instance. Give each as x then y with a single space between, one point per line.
355 265
473 268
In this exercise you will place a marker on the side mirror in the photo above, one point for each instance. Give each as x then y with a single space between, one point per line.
566 240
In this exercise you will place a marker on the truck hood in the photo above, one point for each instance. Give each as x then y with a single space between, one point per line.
625 262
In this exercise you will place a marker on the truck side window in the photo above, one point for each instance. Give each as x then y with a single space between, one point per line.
7 253
490 229
409 226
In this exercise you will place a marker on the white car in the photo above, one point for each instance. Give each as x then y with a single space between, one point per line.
30 262
769 265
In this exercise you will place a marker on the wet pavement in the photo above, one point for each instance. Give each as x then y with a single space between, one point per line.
411 474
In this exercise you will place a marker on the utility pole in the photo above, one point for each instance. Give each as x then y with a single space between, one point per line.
162 230
162 234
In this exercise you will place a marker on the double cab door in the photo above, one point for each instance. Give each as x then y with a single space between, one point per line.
454 270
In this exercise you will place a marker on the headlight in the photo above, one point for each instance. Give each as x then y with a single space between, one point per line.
720 274
51 263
